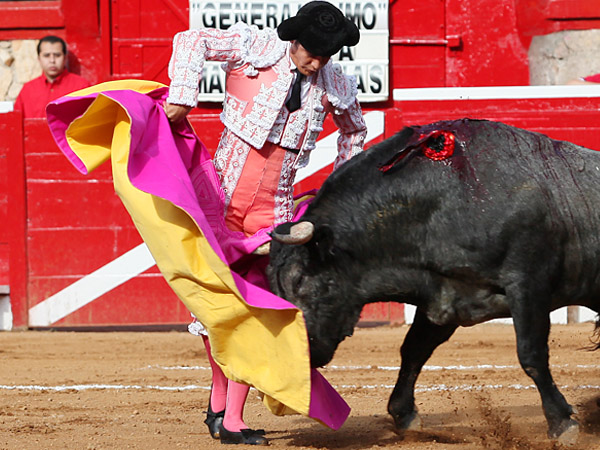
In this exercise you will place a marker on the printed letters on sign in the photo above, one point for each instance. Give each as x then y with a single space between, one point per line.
368 61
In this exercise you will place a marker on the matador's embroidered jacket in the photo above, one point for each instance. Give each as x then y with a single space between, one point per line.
259 76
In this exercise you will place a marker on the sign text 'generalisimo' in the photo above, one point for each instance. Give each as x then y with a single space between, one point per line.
368 61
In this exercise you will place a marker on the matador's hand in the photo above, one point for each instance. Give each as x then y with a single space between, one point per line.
175 113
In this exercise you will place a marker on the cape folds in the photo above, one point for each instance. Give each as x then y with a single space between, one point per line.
166 180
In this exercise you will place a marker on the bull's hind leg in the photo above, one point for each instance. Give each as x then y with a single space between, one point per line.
532 330
420 342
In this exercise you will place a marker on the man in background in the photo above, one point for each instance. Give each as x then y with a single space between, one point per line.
54 82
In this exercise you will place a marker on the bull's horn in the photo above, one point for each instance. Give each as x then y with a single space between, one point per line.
300 233
263 249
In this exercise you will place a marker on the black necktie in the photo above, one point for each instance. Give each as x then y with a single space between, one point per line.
294 101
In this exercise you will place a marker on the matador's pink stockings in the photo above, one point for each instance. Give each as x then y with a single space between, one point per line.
226 394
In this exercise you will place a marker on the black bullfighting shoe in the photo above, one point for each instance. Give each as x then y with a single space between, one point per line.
214 421
245 436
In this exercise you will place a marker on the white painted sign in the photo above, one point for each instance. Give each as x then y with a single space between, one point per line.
368 61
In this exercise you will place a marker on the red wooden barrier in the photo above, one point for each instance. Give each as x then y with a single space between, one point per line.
14 258
5 130
76 225
570 113
68 231
64 227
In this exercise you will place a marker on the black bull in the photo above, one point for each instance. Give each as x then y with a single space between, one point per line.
508 225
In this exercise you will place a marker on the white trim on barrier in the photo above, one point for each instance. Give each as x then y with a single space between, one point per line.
497 92
326 150
90 287
558 316
6 107
139 259
6 316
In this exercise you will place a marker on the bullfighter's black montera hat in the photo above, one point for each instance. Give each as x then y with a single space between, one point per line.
321 28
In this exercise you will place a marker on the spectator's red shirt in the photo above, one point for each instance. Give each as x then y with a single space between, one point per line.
593 78
37 93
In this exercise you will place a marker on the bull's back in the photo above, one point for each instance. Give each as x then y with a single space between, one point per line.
507 199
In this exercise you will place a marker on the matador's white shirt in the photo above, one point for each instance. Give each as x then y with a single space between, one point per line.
259 76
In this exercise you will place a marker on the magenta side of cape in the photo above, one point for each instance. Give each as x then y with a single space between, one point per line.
172 163
60 114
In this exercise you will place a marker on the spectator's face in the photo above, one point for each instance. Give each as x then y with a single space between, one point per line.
52 59
307 63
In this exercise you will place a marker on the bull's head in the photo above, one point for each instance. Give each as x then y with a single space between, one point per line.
307 269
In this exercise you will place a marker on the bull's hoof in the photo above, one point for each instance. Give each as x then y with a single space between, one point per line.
566 434
410 422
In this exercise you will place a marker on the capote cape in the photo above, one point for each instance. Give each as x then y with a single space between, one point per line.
166 180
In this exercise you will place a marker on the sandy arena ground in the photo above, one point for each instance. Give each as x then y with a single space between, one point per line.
144 390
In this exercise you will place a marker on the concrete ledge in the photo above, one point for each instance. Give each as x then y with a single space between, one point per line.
558 316
6 317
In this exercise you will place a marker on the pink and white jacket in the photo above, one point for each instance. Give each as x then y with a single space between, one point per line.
259 77
258 80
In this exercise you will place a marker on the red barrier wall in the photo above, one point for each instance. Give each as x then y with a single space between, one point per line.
572 119
5 130
75 225
62 226
12 172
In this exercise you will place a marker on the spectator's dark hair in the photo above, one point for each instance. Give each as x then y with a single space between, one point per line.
52 40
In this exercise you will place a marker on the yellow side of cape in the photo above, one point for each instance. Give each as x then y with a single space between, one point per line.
265 348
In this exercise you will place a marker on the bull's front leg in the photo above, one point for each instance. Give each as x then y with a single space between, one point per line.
420 342
532 330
